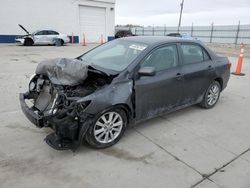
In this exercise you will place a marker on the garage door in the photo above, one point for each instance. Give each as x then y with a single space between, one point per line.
92 23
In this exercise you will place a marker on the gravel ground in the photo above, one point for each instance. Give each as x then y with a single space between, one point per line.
230 50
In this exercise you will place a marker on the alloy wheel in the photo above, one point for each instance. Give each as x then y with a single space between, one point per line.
108 127
213 95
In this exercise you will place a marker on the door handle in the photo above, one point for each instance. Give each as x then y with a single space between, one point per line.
178 76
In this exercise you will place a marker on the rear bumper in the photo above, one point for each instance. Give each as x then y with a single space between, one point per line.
35 118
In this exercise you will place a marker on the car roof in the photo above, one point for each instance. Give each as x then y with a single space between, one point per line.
45 30
152 40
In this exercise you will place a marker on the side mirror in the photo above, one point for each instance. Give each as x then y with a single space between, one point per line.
146 71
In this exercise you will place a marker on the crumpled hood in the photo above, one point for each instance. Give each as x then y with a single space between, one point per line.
63 71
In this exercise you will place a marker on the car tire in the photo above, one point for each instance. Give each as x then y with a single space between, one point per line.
211 96
107 128
61 42
28 42
58 42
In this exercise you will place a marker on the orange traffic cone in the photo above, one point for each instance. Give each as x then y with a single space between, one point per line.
240 62
101 39
84 40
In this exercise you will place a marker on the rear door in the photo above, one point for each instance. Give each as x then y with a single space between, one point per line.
52 35
198 70
163 91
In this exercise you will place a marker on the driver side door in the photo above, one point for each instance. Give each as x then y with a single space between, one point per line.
163 91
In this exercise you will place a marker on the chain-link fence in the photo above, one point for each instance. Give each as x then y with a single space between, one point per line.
232 34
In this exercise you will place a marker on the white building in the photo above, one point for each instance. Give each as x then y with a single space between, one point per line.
94 18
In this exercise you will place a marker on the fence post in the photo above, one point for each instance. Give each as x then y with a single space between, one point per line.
153 30
237 34
72 38
143 30
164 29
212 30
192 29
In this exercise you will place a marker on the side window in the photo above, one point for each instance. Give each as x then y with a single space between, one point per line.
192 53
205 56
52 33
162 58
41 33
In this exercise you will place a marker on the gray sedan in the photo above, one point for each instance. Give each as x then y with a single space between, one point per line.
120 83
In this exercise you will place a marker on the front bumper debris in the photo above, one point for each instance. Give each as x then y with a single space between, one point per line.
35 118
56 142
19 40
69 131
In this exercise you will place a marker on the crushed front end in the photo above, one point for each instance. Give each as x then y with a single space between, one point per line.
48 105
53 101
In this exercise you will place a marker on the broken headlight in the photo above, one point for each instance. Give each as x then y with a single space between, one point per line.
32 86
32 83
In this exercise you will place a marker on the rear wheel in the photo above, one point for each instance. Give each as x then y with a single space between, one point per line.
58 42
211 96
107 129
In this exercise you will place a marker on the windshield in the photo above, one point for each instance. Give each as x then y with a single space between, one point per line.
35 32
115 55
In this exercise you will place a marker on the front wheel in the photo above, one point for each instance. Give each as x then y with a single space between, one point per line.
211 96
107 129
28 42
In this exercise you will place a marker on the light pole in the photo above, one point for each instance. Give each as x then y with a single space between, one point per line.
180 15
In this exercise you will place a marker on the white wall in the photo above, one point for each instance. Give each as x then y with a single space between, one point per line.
60 15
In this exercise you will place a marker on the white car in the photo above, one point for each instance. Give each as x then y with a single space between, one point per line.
42 37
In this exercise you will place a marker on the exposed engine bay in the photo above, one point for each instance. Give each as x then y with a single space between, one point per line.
53 97
50 98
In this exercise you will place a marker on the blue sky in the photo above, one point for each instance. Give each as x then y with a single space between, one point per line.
160 12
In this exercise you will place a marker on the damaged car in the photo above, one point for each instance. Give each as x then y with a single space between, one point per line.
95 96
42 37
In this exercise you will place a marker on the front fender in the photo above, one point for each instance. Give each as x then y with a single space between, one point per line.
113 94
